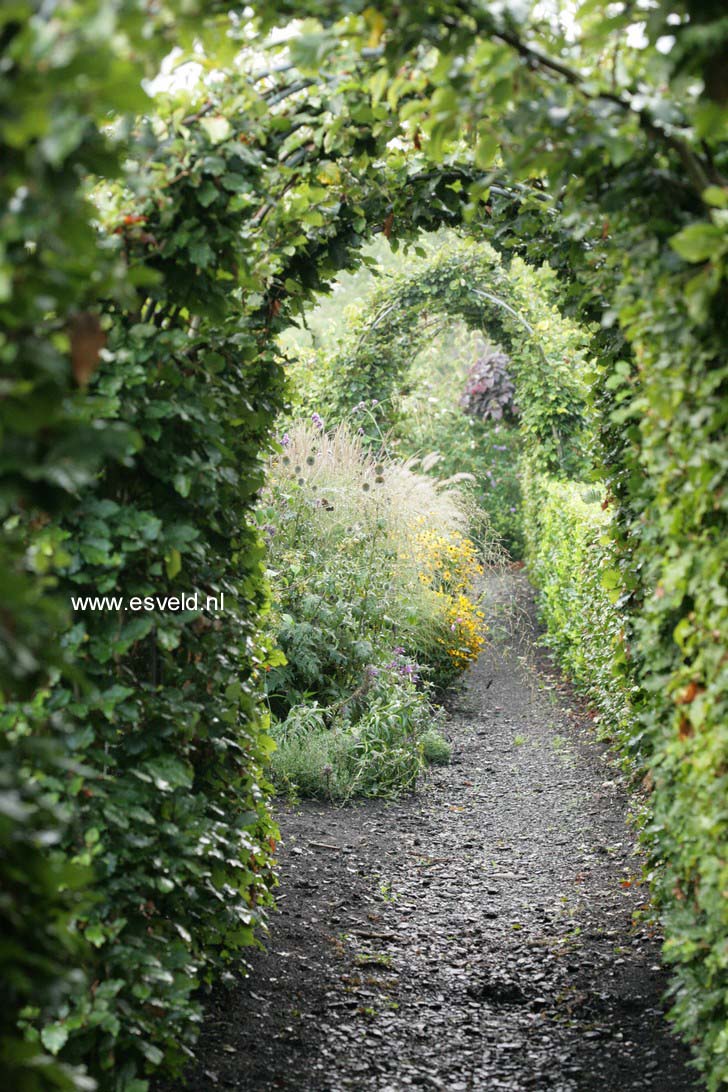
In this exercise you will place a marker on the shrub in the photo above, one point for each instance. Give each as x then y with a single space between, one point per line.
41 950
489 454
376 556
123 475
310 757
359 548
449 566
386 754
489 389
572 559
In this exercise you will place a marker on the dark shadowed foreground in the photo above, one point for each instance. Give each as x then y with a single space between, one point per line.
480 936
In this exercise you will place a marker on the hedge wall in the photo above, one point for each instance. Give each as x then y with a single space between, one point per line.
136 842
572 559
570 553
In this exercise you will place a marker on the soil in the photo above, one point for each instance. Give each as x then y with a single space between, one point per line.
490 933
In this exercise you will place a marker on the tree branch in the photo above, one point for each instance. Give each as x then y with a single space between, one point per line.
699 172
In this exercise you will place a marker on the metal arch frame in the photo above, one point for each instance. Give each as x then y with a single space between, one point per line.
482 294
516 314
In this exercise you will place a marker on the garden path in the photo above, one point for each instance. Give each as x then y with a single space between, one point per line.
475 938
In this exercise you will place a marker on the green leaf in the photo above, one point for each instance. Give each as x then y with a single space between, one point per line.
309 50
201 254
95 935
173 562
486 150
169 773
182 483
716 196
698 242
152 1053
54 1037
217 128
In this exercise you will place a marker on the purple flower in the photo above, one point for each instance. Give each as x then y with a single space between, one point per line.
285 439
406 669
317 421
375 401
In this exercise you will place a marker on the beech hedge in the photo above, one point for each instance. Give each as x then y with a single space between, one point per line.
570 554
676 735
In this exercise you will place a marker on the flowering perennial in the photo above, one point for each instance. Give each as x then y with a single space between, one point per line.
449 565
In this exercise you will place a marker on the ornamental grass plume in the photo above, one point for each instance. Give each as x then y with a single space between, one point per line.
338 467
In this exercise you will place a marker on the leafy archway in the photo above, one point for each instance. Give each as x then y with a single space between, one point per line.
139 472
470 281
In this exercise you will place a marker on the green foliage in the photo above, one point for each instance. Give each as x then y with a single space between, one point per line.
432 423
375 746
570 558
357 547
42 892
169 810
121 475
245 202
435 748
468 281
311 759
675 730
323 325
675 419
385 375
370 554
63 75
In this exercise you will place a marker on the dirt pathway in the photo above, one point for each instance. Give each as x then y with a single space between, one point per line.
476 938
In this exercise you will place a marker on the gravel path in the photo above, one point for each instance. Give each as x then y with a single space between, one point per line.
478 936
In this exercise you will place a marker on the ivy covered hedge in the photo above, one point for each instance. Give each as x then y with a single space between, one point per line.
137 845
56 92
676 418
162 707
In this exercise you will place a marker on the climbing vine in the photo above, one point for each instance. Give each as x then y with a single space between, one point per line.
514 306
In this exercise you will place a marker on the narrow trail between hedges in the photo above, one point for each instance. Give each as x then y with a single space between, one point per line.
478 936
